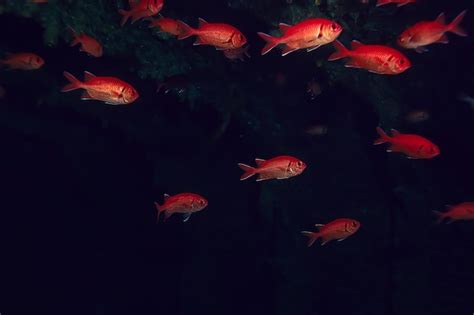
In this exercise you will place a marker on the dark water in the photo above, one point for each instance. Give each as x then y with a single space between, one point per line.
78 225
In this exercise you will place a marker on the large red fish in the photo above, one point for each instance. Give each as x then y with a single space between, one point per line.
462 211
88 44
339 229
22 61
220 35
141 9
186 203
414 146
167 25
374 58
280 167
425 33
110 90
398 2
308 34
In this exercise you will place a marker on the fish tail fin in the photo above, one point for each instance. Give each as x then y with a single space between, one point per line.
440 216
271 42
186 30
382 2
75 40
248 171
74 83
159 209
126 16
383 137
312 237
454 27
341 51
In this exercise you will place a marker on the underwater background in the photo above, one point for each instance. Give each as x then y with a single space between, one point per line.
78 223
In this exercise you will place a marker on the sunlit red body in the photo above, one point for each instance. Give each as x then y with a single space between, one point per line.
374 58
185 203
399 3
414 146
280 167
425 33
220 35
111 90
167 25
141 9
23 61
339 229
462 211
237 53
308 34
88 44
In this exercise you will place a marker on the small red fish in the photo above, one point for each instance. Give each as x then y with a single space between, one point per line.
462 211
186 203
22 61
339 229
141 9
425 33
398 2
280 167
237 53
222 36
374 58
309 34
167 25
417 116
107 89
414 146
88 44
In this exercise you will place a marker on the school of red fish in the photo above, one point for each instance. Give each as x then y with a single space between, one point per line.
309 35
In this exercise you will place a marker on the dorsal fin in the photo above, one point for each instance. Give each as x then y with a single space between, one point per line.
259 162
88 76
441 18
202 22
356 44
284 27
394 132
166 196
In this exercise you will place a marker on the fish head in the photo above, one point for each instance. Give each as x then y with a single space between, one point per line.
296 167
352 226
238 39
405 39
155 6
331 31
128 95
198 202
36 62
399 64
428 151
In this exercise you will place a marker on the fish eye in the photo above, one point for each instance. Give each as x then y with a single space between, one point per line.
402 61
202 202
334 26
299 163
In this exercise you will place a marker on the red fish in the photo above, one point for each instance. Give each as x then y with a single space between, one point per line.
374 58
222 36
309 34
398 2
414 146
339 229
140 10
280 167
22 61
425 33
167 25
237 53
39 1
107 89
462 211
88 44
186 203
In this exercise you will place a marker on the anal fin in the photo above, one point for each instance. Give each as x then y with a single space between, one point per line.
86 96
286 50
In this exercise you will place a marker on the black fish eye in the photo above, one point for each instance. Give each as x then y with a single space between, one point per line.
402 61
334 26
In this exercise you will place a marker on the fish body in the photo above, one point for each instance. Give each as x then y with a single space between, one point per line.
167 25
110 90
221 36
22 61
140 10
374 58
308 34
339 229
237 53
399 3
185 203
88 44
280 167
414 146
462 211
425 33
